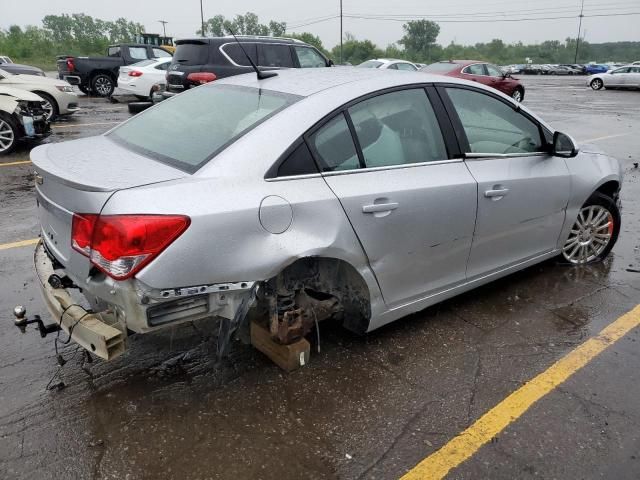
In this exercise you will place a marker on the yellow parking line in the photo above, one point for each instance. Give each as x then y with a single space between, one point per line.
11 164
462 447
22 243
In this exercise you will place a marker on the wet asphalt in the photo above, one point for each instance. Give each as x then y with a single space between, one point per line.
365 407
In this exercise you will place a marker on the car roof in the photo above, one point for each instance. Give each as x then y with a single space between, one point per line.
242 39
309 81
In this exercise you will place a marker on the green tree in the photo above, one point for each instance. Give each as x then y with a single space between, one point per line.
356 51
419 39
309 38
247 24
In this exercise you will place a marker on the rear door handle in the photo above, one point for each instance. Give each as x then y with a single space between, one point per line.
498 192
379 207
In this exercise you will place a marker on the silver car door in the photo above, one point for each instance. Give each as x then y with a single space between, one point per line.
616 78
632 78
522 190
412 208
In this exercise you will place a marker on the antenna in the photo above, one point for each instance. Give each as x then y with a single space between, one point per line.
261 75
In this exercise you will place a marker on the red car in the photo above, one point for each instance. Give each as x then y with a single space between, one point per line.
481 72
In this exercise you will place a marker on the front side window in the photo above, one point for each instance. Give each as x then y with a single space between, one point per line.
622 70
309 58
492 126
138 53
274 56
398 128
334 146
160 53
476 69
162 66
494 71
204 121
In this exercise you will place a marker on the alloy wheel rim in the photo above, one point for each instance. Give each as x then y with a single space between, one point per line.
48 109
597 84
516 96
6 136
589 236
103 85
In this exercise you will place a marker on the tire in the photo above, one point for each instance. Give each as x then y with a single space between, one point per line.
52 111
84 89
594 232
137 107
9 133
103 85
596 84
518 95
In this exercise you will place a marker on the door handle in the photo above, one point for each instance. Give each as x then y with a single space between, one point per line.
379 207
498 192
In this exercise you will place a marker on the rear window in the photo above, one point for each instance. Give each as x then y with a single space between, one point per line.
193 127
439 67
191 53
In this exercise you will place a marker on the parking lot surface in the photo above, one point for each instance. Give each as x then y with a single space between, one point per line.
369 407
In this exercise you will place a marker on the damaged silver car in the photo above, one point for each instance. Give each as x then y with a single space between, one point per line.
330 193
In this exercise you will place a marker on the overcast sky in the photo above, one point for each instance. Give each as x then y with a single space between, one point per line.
184 17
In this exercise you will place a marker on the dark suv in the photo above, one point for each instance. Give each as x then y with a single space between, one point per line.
202 60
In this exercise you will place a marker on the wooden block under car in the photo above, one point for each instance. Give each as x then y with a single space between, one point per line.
287 357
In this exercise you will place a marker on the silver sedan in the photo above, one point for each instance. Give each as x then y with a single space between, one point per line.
317 194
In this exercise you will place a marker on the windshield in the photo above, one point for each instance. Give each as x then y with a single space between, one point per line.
191 128
439 67
370 64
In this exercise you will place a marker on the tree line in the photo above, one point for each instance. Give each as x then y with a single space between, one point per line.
81 34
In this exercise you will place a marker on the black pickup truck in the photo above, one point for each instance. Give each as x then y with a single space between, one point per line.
99 75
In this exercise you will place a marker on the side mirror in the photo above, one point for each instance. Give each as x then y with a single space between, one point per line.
331 64
564 146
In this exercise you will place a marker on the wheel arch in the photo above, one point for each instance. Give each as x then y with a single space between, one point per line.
333 276
610 188
42 92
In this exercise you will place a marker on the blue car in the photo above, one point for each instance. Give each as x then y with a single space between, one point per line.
591 69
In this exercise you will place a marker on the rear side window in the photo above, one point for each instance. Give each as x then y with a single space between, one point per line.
333 145
138 53
162 66
477 69
274 55
398 128
160 53
492 126
309 58
370 64
191 128
114 52
237 56
406 67
439 67
298 162
191 53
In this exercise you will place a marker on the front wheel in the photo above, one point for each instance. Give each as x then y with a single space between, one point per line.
594 232
9 133
50 106
102 85
596 84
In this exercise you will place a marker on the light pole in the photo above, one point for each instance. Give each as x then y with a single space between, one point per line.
202 18
164 27
340 31
575 59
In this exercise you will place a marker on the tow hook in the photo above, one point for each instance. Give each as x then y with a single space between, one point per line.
22 321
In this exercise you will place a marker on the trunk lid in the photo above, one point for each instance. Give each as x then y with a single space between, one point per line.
79 177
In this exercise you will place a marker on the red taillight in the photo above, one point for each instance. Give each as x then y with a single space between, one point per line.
120 245
70 65
201 77
135 73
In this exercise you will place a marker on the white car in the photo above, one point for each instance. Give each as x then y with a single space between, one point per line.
139 78
389 64
21 118
57 94
623 77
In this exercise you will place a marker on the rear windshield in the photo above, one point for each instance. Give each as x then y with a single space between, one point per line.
191 53
439 67
191 128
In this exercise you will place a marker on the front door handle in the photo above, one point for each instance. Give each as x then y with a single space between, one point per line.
379 207
497 192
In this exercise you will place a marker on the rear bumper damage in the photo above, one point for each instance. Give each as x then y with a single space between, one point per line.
128 306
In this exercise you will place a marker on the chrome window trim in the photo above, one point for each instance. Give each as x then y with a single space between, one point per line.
489 156
363 170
